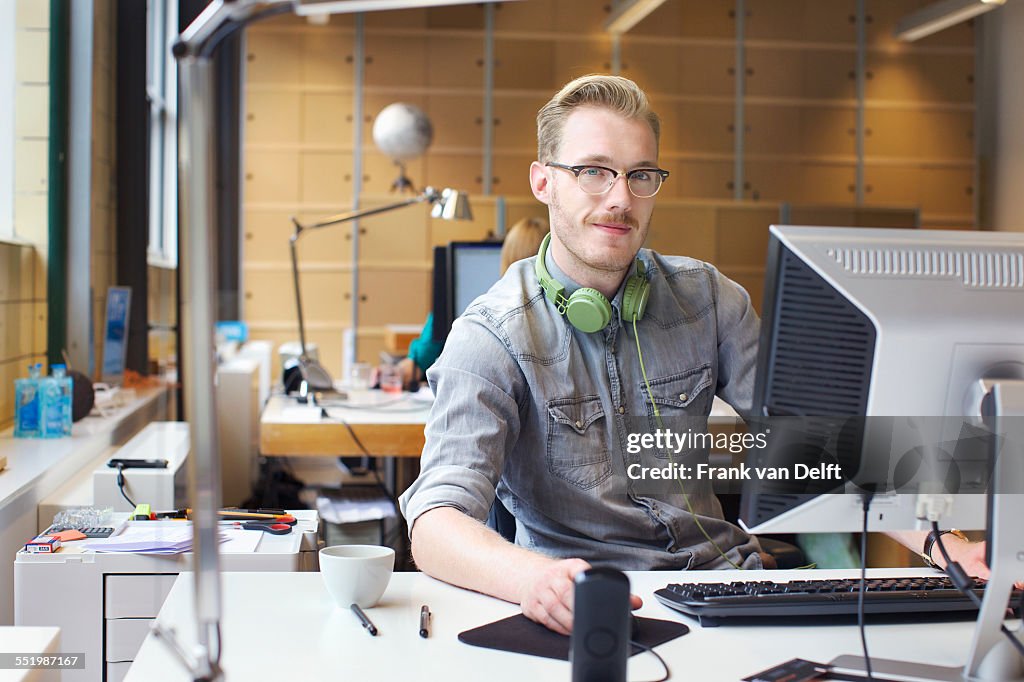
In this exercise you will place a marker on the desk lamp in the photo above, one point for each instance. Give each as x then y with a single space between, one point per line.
448 204
194 51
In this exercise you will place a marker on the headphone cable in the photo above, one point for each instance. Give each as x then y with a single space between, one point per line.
682 488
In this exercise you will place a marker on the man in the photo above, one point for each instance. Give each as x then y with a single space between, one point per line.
536 407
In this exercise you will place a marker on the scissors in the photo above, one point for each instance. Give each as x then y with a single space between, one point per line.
266 527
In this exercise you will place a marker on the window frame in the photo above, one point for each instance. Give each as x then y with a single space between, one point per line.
8 86
161 96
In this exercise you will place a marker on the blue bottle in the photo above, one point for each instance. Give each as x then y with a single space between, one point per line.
56 405
27 405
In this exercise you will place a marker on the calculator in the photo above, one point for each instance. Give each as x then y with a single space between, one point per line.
91 532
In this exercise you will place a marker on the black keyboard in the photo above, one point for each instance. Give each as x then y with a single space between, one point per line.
717 603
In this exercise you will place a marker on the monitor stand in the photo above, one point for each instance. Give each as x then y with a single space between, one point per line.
992 657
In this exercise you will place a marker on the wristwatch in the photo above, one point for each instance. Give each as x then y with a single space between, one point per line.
929 544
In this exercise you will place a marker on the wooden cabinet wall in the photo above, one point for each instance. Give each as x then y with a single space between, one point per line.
799 135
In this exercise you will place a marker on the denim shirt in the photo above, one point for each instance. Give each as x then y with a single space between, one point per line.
533 410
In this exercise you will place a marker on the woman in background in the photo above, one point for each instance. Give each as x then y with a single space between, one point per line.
521 241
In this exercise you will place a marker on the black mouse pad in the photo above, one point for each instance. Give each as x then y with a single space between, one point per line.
521 635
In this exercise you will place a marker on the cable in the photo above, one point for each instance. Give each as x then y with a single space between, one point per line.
120 485
654 653
682 488
866 499
965 584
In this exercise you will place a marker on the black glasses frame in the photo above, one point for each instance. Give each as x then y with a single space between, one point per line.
576 170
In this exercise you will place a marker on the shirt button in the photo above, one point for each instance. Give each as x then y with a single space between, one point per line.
579 424
622 410
682 396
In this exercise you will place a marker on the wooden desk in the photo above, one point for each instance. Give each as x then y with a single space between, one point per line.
325 642
387 426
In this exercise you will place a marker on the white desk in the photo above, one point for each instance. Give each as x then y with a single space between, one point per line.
105 603
316 641
30 641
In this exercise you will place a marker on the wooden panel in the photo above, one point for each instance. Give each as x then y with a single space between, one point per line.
326 58
801 20
774 72
524 64
852 216
398 237
271 176
328 341
468 17
458 120
704 127
887 185
703 179
827 130
923 134
270 295
391 62
663 22
654 67
667 111
512 173
393 296
742 235
579 16
829 75
273 58
771 129
481 227
524 16
326 177
516 211
517 129
575 58
704 70
455 62
708 19
267 234
461 171
683 230
326 119
272 117
798 182
929 77
947 191
406 18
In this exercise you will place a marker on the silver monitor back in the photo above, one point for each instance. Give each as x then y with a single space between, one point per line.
871 323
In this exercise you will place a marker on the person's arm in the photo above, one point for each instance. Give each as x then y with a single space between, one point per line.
738 331
970 555
460 550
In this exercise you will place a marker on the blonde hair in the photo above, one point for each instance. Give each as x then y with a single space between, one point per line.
621 95
522 241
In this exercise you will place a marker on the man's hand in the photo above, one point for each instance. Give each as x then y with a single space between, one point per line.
970 555
546 596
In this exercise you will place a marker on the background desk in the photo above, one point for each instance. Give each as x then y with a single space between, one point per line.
388 427
324 642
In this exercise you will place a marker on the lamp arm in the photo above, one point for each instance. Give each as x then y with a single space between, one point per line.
428 194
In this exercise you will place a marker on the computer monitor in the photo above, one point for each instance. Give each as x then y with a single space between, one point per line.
870 336
472 268
439 295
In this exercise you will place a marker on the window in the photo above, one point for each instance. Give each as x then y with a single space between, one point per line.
161 90
7 23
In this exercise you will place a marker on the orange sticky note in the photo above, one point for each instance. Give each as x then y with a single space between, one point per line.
69 535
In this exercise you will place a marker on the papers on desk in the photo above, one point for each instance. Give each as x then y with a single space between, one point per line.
354 504
171 538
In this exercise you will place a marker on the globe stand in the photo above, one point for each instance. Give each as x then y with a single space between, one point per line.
402 183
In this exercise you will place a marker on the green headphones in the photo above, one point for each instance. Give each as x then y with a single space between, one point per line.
587 309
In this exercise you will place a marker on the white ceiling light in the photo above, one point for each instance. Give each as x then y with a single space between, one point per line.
313 7
628 13
941 15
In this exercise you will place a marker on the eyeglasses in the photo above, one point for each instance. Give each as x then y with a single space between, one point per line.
642 182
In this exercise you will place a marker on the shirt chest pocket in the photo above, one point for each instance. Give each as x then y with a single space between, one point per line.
577 447
683 400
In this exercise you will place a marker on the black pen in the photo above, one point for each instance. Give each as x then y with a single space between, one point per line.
425 621
370 627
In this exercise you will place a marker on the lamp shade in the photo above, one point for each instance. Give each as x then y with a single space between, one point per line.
454 205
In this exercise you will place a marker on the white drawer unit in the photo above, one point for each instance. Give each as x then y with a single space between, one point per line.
107 602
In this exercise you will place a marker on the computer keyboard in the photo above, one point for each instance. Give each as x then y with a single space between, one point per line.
763 600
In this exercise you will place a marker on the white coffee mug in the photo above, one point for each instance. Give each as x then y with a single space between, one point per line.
357 574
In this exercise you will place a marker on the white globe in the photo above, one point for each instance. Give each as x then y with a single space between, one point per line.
402 131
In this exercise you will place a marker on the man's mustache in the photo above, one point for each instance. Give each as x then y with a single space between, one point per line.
615 218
